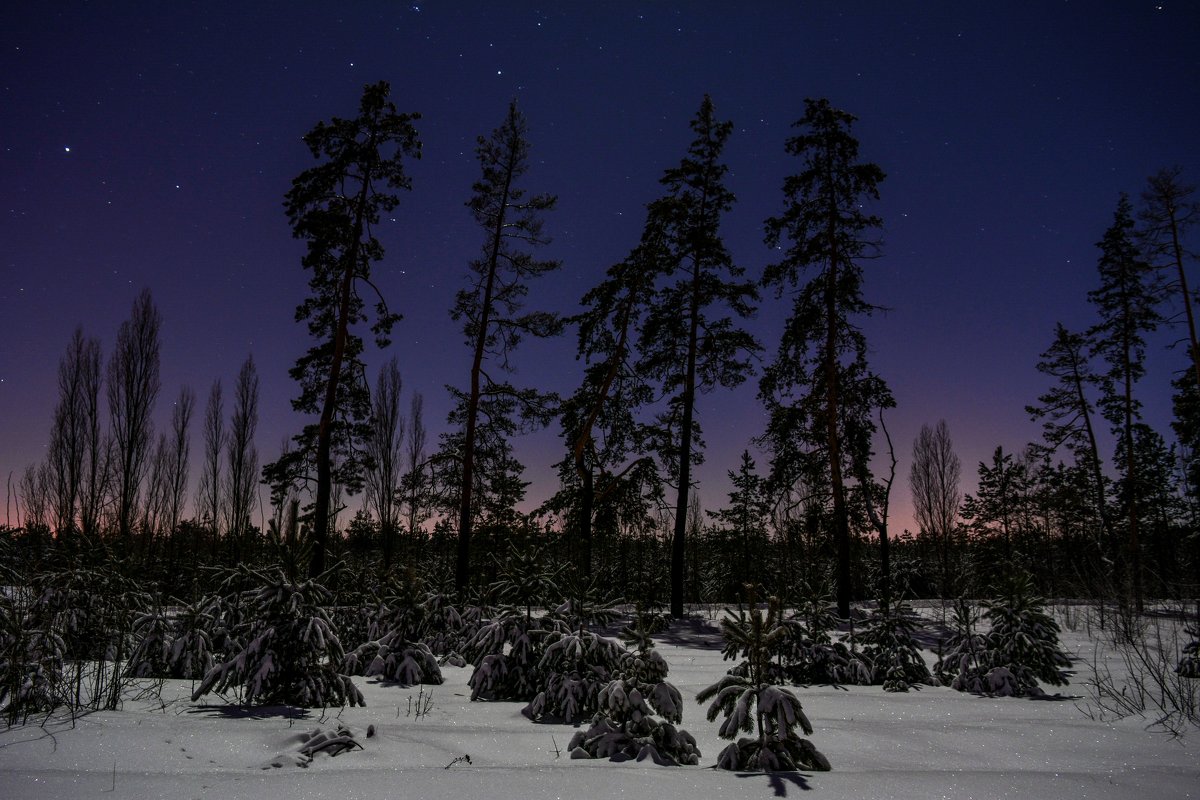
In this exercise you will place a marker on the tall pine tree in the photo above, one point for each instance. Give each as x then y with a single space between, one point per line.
601 477
819 391
490 309
333 207
688 342
1126 301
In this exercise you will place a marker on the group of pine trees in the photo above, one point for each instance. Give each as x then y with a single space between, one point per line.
662 326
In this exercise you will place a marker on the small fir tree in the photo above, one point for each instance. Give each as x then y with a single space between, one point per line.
808 652
1023 646
394 650
624 726
292 654
892 650
750 703
964 662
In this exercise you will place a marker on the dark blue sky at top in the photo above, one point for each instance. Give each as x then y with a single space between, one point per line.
150 145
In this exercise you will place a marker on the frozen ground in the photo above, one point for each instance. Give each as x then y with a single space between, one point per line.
928 744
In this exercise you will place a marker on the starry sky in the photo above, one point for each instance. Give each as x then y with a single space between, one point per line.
150 145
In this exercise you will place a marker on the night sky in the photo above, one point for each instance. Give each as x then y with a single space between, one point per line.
150 145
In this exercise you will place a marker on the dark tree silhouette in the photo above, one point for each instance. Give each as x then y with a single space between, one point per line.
333 207
133 386
819 392
491 307
1127 303
688 342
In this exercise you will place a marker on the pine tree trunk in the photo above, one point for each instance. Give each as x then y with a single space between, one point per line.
316 564
685 449
841 516
1135 556
462 568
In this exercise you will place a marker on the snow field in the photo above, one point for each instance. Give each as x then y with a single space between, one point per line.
931 743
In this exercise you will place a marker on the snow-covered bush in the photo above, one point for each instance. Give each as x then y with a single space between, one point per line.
964 662
751 704
443 629
394 650
506 651
394 658
1020 650
31 663
292 654
625 726
175 645
91 608
890 646
574 667
150 657
807 652
1023 646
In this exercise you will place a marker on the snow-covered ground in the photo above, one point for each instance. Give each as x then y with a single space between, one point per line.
928 744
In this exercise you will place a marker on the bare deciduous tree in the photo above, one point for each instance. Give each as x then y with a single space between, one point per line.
133 385
934 480
415 485
78 390
384 457
208 499
241 454
181 446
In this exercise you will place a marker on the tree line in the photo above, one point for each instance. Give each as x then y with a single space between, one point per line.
662 326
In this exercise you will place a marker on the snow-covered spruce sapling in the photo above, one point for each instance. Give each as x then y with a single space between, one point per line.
574 667
394 650
507 648
151 654
1023 645
175 645
507 651
292 653
31 662
808 652
751 704
964 662
890 646
624 726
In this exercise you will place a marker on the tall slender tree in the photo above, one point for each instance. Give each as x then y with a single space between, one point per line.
181 445
934 480
133 386
385 450
491 307
333 207
209 496
1067 412
819 391
241 456
689 342
416 483
1127 302
1168 213
78 390
600 427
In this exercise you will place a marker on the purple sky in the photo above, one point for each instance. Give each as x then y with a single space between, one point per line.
150 145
